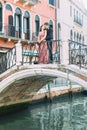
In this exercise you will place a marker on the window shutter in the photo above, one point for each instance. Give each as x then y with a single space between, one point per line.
10 21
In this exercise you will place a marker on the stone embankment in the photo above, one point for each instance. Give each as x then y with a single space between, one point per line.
56 92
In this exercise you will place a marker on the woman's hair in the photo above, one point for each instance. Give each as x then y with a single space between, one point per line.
41 27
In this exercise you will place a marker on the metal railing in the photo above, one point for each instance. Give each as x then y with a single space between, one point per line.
12 31
77 53
7 60
33 52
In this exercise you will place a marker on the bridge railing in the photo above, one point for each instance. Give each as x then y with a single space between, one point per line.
8 60
77 53
24 53
31 52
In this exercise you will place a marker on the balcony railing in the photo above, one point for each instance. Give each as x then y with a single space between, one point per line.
12 31
30 2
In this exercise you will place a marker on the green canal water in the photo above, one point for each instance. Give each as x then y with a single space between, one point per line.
64 113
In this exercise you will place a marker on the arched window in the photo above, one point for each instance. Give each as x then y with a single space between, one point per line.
80 38
8 7
83 40
27 25
18 22
51 23
0 16
59 31
37 24
18 11
58 3
74 36
71 35
77 37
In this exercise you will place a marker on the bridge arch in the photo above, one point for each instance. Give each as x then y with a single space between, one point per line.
43 73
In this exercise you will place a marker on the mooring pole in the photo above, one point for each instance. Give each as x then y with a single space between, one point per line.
69 85
49 92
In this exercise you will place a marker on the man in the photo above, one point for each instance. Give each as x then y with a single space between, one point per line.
49 39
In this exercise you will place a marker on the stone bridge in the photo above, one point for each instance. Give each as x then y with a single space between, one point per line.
21 79
19 85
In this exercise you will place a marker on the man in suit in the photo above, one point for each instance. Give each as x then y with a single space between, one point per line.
49 39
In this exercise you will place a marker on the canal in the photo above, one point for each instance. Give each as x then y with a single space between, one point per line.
64 113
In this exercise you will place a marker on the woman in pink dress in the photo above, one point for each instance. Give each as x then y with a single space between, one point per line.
43 50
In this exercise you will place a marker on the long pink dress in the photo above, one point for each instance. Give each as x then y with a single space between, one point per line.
43 51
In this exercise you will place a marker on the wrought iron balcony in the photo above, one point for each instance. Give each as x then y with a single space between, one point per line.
26 2
13 32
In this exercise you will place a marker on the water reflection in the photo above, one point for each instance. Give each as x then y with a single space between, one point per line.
67 115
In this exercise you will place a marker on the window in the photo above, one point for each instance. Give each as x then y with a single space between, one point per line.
51 2
71 11
58 3
18 22
37 24
74 36
51 25
77 15
8 7
71 34
27 25
59 31
26 22
78 18
82 20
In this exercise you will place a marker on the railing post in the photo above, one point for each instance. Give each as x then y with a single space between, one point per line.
18 54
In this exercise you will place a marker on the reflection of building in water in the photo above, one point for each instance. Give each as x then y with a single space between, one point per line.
63 116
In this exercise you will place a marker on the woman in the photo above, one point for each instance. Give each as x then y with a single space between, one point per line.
43 51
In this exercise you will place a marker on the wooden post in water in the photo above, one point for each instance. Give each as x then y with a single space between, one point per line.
49 92
69 84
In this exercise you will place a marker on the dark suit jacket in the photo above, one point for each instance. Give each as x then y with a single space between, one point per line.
49 34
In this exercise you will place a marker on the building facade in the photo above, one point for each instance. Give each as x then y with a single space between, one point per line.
21 20
71 24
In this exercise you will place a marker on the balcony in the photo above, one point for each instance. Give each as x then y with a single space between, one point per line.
14 33
27 2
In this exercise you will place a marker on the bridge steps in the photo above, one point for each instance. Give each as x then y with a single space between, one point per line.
80 73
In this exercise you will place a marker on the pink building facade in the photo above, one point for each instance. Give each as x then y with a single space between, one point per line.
21 20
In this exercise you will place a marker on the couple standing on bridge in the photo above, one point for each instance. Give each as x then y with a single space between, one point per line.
45 38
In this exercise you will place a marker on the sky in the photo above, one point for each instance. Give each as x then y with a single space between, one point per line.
85 3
